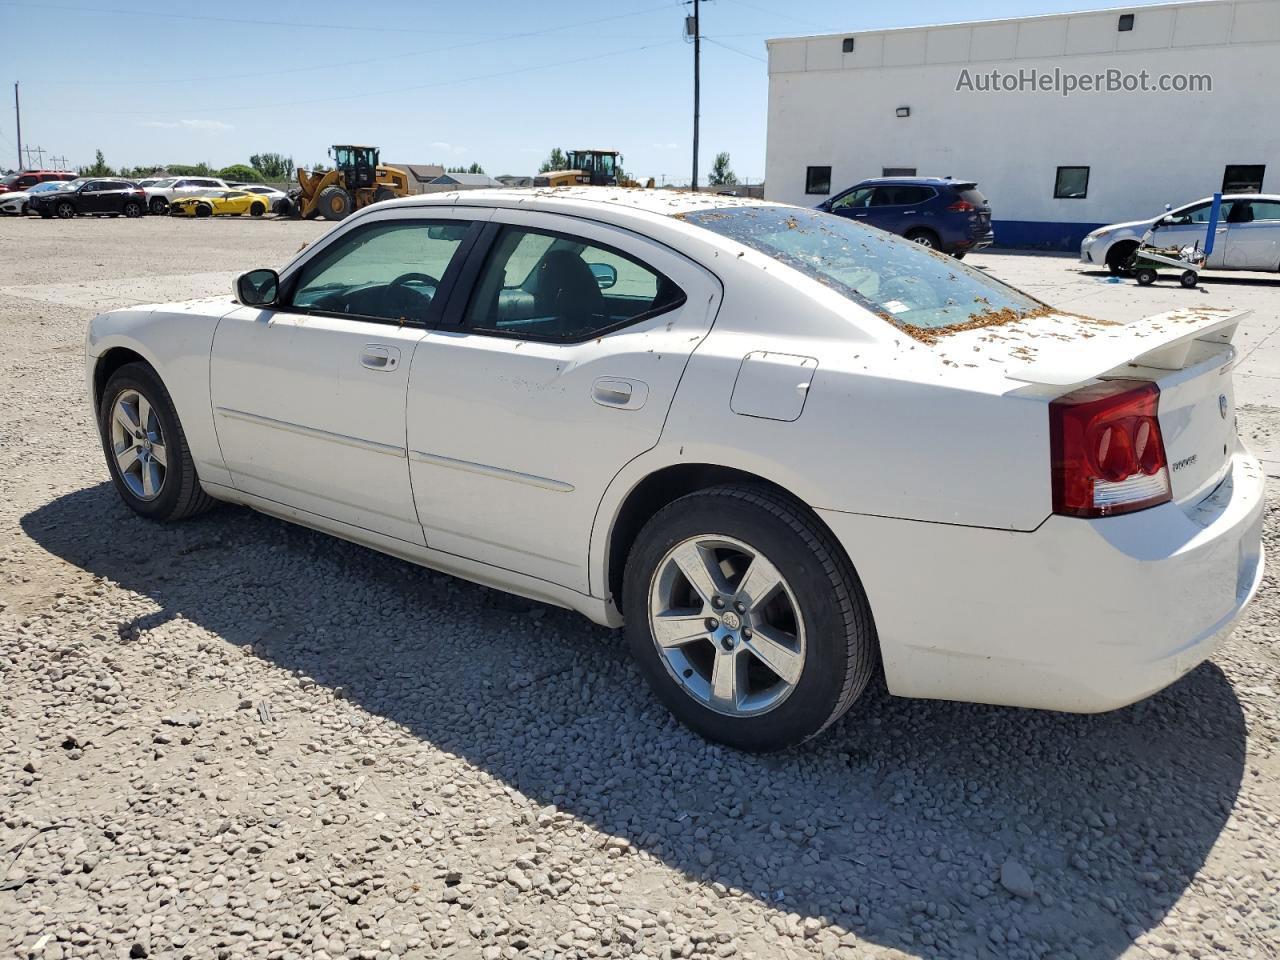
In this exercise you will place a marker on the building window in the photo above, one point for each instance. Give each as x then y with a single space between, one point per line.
897 171
846 45
1126 22
817 180
1072 183
1243 178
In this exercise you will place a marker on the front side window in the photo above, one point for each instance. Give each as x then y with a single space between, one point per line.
1198 214
1243 178
1072 183
817 180
386 271
550 286
894 278
854 199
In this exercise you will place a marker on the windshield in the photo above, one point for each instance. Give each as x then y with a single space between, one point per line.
75 184
7 182
902 282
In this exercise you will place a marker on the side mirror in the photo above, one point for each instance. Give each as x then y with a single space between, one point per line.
258 288
825 205
606 275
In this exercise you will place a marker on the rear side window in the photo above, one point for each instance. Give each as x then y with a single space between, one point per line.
898 280
539 285
1266 210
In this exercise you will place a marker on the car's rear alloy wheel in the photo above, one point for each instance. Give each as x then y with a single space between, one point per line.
257 210
159 205
146 449
132 209
746 618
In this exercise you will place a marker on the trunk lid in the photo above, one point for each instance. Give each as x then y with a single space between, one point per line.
1187 353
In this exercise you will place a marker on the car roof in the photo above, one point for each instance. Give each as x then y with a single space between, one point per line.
914 181
616 202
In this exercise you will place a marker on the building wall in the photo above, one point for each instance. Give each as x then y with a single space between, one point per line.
1144 150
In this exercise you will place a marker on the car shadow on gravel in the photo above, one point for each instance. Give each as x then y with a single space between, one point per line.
895 824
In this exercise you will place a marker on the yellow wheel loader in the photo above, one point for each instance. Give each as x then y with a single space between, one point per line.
598 168
356 180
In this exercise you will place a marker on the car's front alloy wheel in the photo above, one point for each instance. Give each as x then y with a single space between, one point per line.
746 618
146 449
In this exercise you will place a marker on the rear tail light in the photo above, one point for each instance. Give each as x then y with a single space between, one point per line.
962 206
1107 452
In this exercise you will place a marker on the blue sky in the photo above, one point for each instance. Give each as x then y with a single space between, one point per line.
496 81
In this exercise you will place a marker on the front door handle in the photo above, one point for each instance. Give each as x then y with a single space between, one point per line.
620 393
375 356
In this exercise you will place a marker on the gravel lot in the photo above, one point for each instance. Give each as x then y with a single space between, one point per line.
233 737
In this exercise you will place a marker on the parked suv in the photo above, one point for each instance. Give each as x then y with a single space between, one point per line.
948 215
108 196
163 192
29 178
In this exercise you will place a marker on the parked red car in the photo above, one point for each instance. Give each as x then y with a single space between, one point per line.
29 178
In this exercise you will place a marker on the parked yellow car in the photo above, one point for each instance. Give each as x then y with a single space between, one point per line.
220 203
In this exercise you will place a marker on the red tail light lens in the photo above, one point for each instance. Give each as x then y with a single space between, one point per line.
1107 452
962 206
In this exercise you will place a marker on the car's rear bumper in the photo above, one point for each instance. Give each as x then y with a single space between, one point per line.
1078 615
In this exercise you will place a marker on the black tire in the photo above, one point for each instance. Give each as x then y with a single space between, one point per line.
1145 276
133 209
841 644
257 209
180 494
203 210
158 205
383 193
958 254
1189 279
65 210
926 238
1120 258
335 203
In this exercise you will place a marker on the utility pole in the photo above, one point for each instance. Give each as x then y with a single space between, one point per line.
697 90
17 113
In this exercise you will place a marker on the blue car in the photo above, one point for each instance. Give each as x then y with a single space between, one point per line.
948 215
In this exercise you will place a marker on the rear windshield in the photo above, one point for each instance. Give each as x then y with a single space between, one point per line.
973 195
902 282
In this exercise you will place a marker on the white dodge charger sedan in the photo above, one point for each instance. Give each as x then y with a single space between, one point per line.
783 449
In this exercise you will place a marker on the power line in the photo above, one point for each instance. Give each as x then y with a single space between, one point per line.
741 53
364 96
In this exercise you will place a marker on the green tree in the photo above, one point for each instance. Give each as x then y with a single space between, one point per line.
190 169
99 168
721 173
555 161
474 168
272 166
240 172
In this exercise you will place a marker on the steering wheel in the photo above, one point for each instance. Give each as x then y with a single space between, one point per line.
411 277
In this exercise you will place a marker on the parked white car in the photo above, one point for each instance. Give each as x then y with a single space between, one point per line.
1247 236
14 203
163 192
273 196
781 447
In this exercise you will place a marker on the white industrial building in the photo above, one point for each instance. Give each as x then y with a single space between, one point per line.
919 101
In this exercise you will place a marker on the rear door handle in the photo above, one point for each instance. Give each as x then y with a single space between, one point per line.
620 393
376 356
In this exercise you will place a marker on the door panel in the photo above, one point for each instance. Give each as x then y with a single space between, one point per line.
309 400
512 441
1255 244
303 420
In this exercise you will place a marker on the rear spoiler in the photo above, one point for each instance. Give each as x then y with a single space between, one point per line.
1162 341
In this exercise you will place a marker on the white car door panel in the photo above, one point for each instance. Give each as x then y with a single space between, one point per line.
1254 244
310 412
309 398
512 442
